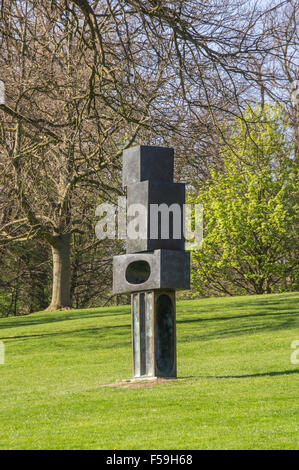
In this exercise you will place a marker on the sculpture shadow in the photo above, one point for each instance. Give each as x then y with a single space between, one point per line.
245 376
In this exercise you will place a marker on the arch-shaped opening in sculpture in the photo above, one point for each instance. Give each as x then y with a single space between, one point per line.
138 272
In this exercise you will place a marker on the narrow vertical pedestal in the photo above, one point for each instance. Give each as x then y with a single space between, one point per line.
154 334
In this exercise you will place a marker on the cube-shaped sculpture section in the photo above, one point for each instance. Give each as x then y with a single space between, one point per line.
157 209
144 163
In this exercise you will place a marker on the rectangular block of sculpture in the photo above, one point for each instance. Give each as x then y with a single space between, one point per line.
153 334
161 269
162 216
144 163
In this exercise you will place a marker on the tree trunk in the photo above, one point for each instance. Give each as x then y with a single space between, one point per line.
61 291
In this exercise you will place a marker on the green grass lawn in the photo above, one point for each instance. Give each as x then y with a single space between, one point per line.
238 387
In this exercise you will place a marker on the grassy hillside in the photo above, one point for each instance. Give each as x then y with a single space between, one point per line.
238 387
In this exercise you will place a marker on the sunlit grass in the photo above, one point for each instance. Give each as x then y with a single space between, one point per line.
238 387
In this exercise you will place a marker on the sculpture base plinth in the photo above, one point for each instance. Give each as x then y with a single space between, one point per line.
154 334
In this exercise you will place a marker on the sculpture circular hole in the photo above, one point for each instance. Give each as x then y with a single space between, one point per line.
138 272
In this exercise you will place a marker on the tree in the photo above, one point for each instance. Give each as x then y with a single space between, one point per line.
85 80
279 71
250 211
69 113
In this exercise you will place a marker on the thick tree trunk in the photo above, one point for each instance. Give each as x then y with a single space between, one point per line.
61 291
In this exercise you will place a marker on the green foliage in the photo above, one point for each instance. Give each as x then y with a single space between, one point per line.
237 388
250 211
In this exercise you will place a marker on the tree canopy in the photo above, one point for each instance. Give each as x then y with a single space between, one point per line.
250 211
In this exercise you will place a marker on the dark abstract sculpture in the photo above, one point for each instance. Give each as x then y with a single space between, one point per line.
155 265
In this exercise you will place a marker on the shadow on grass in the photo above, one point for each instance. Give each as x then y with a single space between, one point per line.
268 306
245 376
250 301
236 317
81 332
35 319
255 307
259 316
